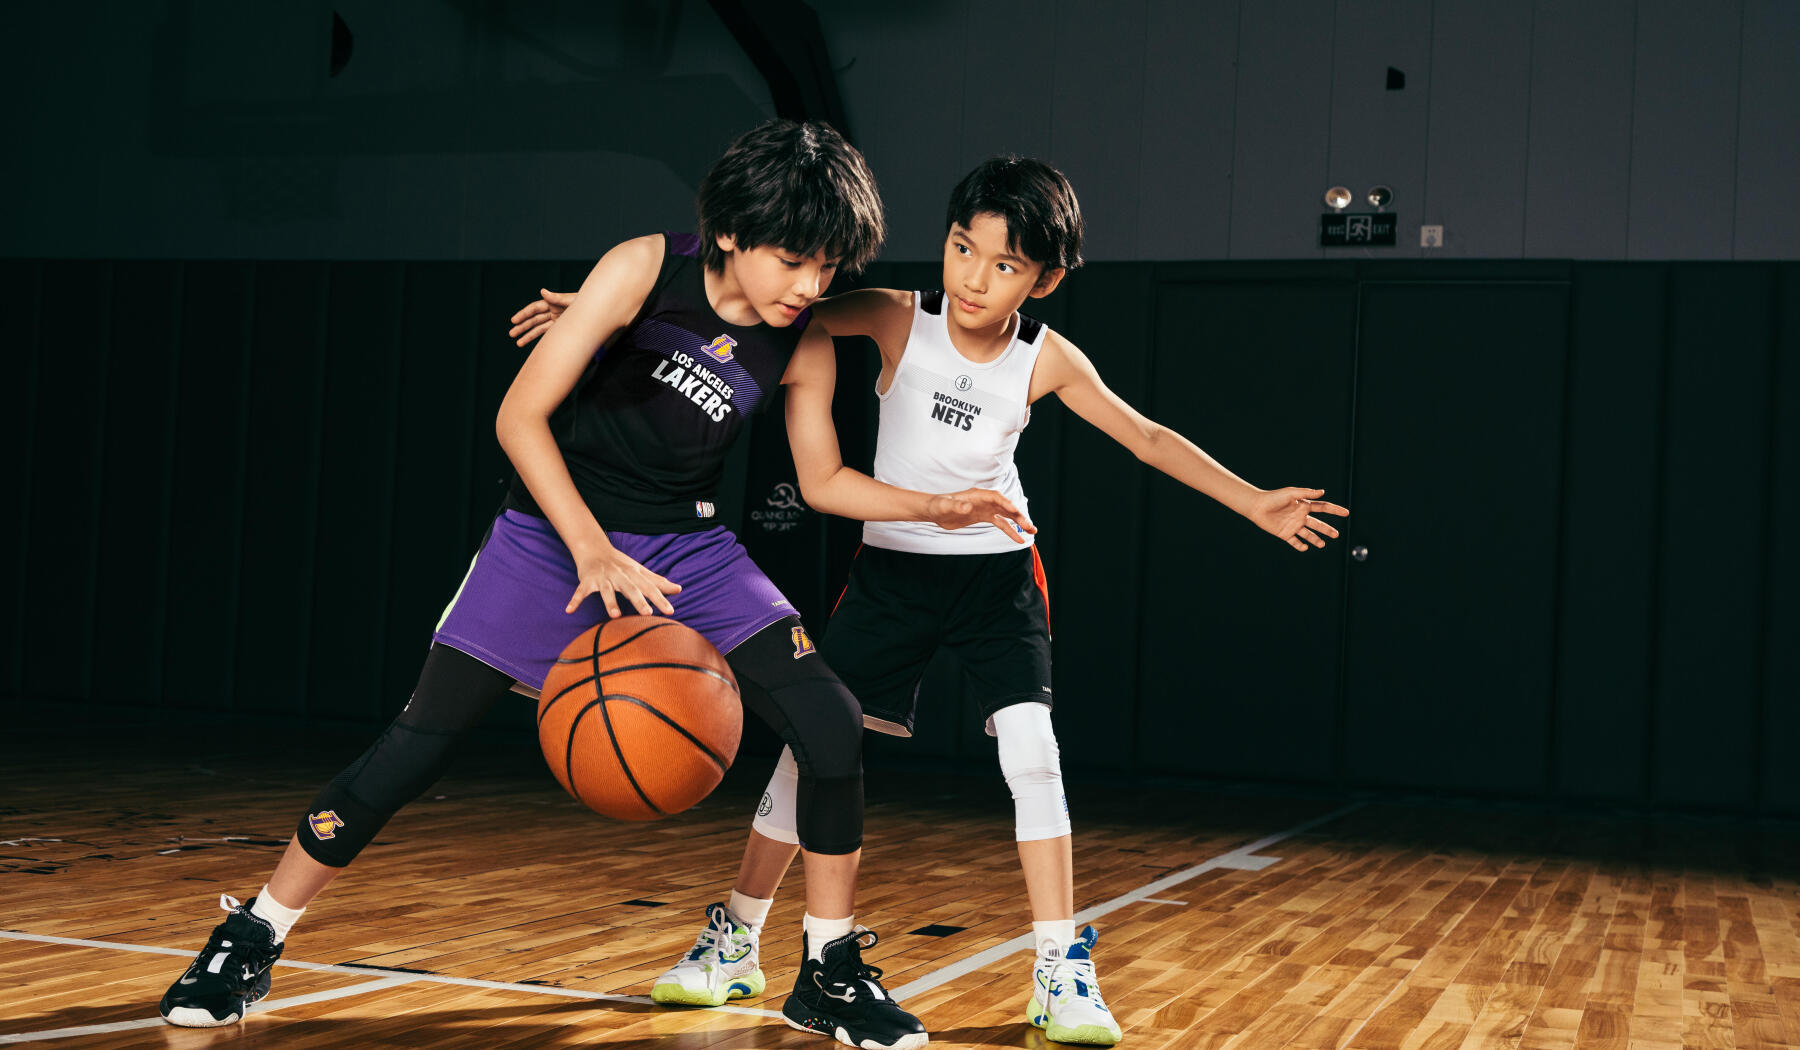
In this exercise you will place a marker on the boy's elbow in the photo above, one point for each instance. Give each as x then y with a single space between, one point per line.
509 422
503 425
812 493
1150 443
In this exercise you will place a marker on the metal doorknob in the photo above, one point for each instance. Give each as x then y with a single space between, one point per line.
1359 552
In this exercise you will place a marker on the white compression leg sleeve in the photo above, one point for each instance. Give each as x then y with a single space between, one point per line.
778 815
1033 769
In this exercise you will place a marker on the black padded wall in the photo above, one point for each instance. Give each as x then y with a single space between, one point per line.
248 489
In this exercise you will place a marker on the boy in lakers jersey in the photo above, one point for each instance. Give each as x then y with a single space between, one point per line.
617 427
960 370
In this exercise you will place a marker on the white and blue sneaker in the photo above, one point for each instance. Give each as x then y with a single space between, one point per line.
1065 995
720 966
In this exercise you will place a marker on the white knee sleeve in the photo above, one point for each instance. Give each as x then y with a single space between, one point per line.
776 816
1033 769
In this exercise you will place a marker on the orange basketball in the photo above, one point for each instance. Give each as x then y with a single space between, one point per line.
640 717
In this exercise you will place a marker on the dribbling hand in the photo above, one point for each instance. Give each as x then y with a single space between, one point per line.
1288 514
612 576
535 319
957 510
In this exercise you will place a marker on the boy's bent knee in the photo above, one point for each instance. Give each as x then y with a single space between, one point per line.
1032 765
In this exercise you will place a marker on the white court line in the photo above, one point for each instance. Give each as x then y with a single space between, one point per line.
1159 900
360 971
158 1022
1239 859
1234 859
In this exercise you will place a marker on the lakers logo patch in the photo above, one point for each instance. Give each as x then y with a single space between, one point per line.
325 823
803 646
720 349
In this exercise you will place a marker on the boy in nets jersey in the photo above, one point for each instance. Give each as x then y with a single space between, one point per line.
617 427
960 370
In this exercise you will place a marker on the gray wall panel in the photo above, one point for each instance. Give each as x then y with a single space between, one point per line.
1480 88
1768 152
1592 129
1377 135
907 98
1190 97
1578 174
1283 96
1684 129
1002 108
1098 101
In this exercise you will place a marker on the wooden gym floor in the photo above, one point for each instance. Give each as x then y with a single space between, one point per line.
497 913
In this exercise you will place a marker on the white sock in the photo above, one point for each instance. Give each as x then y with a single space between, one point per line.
821 931
751 911
276 914
1062 931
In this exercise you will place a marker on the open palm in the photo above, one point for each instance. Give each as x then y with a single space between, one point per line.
1289 514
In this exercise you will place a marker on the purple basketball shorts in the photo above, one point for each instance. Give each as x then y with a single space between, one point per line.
509 612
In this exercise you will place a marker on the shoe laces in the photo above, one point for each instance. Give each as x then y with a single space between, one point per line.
849 970
242 958
1079 973
722 936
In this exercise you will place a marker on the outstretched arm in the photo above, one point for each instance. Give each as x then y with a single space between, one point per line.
1286 513
832 488
609 299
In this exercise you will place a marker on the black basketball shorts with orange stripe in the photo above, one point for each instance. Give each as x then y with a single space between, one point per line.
991 610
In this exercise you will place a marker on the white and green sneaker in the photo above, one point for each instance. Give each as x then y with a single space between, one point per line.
1065 995
720 966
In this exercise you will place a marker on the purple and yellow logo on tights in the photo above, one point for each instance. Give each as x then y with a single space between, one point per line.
325 823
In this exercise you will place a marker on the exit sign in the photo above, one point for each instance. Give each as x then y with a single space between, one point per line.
1357 229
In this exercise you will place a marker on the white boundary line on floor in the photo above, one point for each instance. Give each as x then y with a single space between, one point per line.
1242 858
158 1022
392 980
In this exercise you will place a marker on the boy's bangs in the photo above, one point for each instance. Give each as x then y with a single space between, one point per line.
839 225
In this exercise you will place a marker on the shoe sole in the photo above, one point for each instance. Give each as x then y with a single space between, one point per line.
672 994
842 1035
195 1017
1081 1035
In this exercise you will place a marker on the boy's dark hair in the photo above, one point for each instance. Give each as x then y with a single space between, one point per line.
1043 219
796 186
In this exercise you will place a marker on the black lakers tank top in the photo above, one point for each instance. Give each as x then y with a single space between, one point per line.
646 428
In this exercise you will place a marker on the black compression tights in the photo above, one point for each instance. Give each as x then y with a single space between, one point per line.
797 696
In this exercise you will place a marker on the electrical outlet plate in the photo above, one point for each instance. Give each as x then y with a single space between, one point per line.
1431 236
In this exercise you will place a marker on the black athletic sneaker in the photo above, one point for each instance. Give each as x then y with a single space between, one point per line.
231 972
842 997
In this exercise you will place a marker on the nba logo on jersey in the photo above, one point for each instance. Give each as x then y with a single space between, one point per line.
325 823
803 646
720 349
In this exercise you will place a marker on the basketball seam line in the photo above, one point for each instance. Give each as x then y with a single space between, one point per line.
703 669
545 708
598 652
618 752
611 737
672 724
